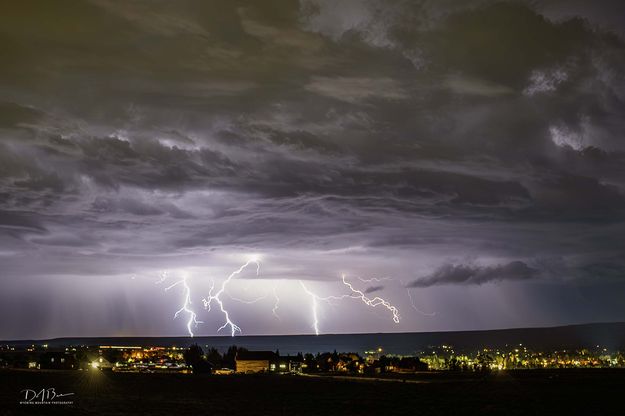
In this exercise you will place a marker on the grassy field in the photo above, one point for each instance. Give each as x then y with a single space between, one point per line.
539 392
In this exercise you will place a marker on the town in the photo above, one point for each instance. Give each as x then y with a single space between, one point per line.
198 359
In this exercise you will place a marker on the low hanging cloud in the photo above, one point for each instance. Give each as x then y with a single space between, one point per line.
463 274
373 289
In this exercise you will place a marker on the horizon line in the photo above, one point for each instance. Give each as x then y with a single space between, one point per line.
314 335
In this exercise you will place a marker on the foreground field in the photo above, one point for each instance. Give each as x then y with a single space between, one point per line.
566 392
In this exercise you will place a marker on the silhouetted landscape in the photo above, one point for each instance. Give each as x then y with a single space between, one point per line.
569 370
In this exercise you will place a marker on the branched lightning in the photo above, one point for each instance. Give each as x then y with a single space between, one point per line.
355 294
373 302
163 278
217 297
315 298
185 305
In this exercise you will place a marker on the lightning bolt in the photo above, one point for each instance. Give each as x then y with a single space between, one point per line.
374 279
314 307
163 278
274 311
217 296
185 305
245 301
415 307
316 298
376 301
355 294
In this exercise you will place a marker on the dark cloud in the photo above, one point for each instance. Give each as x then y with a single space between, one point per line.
611 269
373 289
464 274
12 222
355 136
525 40
456 136
12 115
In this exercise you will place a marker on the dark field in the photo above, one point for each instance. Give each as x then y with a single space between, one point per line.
532 392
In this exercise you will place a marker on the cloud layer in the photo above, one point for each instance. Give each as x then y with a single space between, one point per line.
450 274
413 139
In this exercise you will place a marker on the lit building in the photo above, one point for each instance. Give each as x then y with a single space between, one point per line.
256 361
267 362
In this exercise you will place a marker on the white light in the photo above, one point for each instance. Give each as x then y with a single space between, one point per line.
373 302
274 311
217 296
185 305
356 294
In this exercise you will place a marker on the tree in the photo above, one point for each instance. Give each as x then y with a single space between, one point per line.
452 364
230 356
412 363
325 362
112 355
484 362
194 356
82 359
311 362
214 357
384 362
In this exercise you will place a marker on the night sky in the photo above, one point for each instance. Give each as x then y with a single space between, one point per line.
470 155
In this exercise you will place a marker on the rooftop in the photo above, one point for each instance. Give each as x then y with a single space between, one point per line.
256 355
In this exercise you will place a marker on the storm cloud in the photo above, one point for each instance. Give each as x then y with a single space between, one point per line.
450 274
441 143
373 289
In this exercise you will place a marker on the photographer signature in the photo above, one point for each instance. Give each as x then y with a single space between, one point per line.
45 395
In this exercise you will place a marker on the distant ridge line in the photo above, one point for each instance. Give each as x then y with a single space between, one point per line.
608 334
466 331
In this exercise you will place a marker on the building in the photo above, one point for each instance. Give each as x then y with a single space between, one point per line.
267 362
294 364
99 362
256 361
55 360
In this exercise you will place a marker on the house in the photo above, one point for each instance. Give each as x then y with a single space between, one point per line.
291 364
267 362
55 360
99 362
256 361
